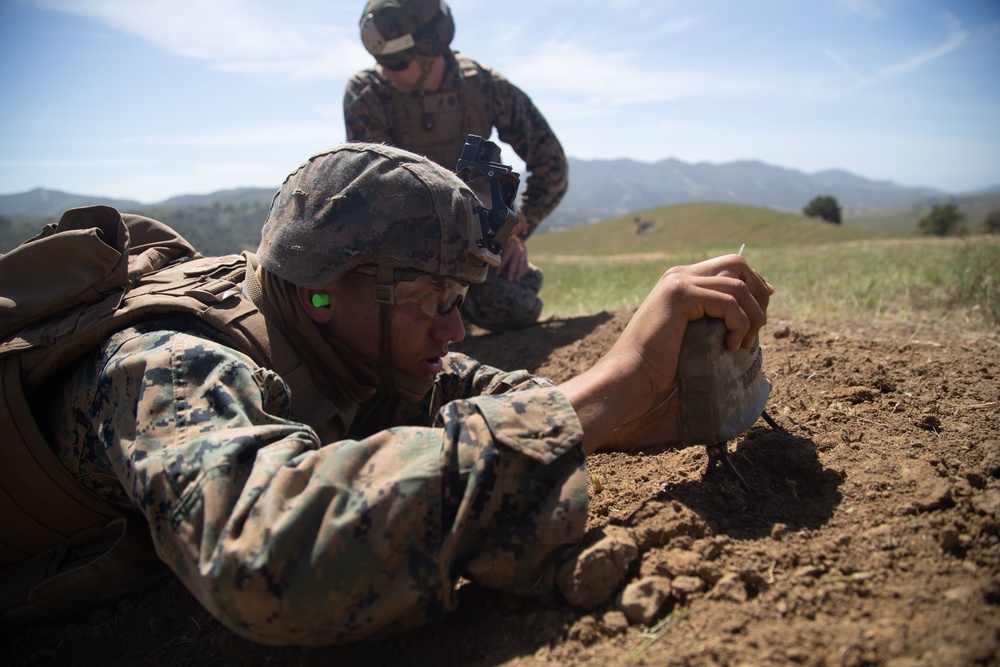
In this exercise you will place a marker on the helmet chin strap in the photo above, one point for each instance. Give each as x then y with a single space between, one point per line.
426 65
391 379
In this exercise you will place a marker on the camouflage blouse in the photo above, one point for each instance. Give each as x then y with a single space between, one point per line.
376 111
290 540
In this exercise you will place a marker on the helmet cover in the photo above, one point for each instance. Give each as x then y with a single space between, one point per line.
370 204
394 31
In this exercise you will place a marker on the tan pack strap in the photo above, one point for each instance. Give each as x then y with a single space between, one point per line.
92 252
51 506
96 565
477 121
40 501
85 257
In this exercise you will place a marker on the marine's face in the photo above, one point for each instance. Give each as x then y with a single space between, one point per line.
424 320
405 79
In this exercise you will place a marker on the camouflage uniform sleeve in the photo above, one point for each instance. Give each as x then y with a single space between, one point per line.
520 124
365 112
291 541
463 376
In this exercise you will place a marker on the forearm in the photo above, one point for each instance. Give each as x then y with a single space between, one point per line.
604 397
289 542
522 125
546 184
529 467
366 537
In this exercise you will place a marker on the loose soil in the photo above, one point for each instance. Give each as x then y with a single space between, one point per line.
871 535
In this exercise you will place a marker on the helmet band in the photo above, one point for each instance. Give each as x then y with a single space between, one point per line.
377 45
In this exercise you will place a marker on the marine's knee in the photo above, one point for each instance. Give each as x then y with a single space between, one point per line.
501 305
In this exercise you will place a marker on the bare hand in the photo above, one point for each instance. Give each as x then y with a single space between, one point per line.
735 267
514 258
640 370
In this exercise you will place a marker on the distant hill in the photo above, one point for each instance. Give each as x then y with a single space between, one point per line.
601 189
237 196
51 203
905 218
698 228
598 190
219 223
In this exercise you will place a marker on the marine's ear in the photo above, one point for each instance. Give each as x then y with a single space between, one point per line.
316 303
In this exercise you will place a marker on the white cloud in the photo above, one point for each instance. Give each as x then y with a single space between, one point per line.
268 134
616 78
867 8
71 163
678 26
956 36
953 40
612 79
842 64
247 36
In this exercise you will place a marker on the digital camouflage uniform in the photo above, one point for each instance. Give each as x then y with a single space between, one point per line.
375 110
288 539
318 533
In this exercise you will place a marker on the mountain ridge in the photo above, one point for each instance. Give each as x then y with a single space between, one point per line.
598 189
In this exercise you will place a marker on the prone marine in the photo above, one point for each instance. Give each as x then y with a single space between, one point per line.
343 501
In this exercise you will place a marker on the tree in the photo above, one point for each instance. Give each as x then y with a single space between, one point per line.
825 208
943 220
991 225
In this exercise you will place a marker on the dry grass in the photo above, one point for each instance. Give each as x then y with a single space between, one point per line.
821 271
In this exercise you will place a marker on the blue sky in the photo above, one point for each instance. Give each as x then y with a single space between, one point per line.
147 99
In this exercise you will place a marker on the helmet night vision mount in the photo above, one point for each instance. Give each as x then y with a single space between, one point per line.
481 159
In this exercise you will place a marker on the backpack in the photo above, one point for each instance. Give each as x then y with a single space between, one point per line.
62 294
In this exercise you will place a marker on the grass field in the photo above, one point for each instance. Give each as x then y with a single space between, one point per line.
820 271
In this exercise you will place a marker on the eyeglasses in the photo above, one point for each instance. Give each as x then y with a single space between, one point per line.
395 64
434 296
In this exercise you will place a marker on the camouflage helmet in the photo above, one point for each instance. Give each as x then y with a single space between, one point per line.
394 31
371 204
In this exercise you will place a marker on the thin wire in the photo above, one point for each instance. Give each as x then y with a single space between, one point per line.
651 410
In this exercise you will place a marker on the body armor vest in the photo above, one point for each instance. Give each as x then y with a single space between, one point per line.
436 124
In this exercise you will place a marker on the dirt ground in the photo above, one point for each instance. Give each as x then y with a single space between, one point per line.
871 535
